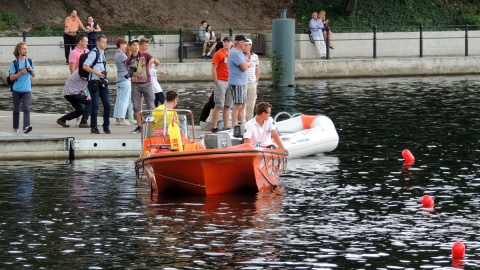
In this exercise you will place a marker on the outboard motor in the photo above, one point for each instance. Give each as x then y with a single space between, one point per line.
238 130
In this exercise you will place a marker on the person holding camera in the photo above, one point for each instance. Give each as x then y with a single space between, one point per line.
138 65
21 71
98 84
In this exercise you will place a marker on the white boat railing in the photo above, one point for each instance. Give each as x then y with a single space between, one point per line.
289 115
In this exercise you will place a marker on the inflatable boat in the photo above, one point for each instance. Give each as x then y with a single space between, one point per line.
306 135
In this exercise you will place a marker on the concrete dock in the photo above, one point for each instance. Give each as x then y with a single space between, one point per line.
48 140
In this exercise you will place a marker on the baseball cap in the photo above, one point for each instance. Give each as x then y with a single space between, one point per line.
240 38
248 41
227 38
133 40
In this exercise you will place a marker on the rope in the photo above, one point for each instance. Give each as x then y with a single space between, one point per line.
181 181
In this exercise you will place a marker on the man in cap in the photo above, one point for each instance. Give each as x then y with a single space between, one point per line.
139 62
238 64
222 96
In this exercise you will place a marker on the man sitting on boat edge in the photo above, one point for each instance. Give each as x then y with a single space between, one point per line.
260 129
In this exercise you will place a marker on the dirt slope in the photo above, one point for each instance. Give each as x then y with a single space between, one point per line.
158 14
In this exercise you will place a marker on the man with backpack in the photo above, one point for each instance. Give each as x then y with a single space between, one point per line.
21 72
95 64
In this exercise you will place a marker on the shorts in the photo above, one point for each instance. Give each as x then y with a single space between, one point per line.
145 90
221 96
239 93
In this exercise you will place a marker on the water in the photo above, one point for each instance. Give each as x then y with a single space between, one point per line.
355 208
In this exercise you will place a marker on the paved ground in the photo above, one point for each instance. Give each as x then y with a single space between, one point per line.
48 140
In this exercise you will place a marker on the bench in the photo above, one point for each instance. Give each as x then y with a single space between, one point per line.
188 47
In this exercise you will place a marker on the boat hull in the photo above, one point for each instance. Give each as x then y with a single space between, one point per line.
213 171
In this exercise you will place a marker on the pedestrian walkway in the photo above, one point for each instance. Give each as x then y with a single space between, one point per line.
48 140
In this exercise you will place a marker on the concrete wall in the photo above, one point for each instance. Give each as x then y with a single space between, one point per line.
397 55
347 45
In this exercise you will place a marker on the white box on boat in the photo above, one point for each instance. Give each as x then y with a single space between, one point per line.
217 140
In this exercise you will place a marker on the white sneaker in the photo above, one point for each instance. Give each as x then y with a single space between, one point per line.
15 131
77 123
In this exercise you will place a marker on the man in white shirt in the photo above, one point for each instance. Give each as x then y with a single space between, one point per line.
260 130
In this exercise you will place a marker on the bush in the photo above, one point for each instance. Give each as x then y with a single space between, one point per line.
8 20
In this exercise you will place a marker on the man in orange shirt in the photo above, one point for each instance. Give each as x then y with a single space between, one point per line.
222 97
72 24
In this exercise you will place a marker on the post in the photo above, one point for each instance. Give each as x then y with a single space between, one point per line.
420 29
375 41
466 39
327 42
129 35
180 47
24 35
230 32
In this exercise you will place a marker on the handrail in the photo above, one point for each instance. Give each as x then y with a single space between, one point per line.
376 35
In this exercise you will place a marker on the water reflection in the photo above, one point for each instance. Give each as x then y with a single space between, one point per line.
355 208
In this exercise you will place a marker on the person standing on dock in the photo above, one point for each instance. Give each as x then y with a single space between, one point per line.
222 95
98 85
22 70
138 65
238 64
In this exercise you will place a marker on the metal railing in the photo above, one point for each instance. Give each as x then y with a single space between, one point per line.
374 38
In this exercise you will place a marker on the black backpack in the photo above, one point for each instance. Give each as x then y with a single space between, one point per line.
15 64
82 72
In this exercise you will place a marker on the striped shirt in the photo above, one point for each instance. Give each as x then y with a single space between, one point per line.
74 85
251 70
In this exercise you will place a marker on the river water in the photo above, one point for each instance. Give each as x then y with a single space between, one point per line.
357 207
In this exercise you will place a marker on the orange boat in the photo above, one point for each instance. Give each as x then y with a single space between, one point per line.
177 164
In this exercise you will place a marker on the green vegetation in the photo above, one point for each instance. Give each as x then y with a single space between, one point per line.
277 67
8 20
393 15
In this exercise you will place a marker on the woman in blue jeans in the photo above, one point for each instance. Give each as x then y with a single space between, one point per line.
123 85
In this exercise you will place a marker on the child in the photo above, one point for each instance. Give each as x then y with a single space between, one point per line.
157 90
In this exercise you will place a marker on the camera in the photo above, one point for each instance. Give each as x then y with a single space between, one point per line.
104 80
130 72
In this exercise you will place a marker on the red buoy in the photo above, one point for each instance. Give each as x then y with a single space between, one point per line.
408 156
427 201
458 250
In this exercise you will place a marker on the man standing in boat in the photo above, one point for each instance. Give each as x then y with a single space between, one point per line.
260 130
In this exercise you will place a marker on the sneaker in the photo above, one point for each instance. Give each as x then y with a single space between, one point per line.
77 123
227 128
204 56
106 130
15 130
215 130
133 122
95 131
84 125
209 56
27 129
62 123
137 130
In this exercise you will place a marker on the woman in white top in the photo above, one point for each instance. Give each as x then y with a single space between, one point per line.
210 40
